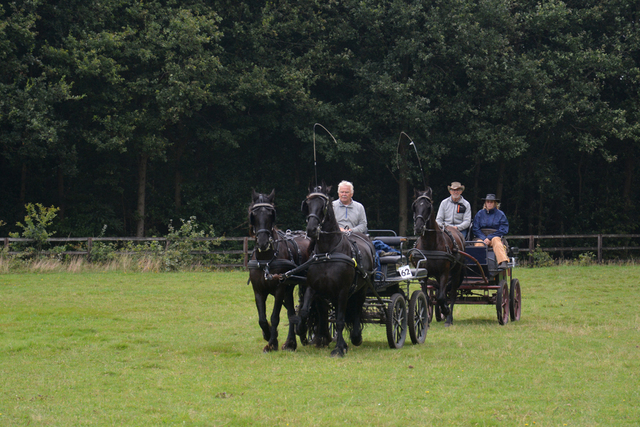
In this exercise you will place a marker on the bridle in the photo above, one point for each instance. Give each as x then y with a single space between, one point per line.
325 207
424 220
272 211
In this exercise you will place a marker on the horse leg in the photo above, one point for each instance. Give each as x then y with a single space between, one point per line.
442 295
272 345
302 320
341 308
290 343
456 281
261 302
356 302
452 300
322 332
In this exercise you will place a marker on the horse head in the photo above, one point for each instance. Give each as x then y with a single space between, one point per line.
315 208
422 211
262 219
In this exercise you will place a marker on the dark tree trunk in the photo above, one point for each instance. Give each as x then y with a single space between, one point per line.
23 185
142 187
402 209
61 203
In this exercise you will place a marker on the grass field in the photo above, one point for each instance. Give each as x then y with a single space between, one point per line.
105 349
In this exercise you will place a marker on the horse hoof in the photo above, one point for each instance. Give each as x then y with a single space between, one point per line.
447 324
289 346
319 342
356 339
337 353
270 347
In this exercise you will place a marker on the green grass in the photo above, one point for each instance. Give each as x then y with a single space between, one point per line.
140 349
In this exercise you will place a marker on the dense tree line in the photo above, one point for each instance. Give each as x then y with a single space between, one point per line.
131 113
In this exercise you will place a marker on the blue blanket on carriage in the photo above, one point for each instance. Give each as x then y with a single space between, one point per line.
381 248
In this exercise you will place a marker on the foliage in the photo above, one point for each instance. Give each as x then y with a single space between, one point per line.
102 252
184 243
540 258
586 258
133 113
36 222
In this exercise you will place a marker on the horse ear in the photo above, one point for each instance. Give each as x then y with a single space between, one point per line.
428 193
254 195
271 196
304 208
328 192
416 193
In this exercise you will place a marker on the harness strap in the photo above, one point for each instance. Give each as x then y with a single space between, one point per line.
455 244
438 255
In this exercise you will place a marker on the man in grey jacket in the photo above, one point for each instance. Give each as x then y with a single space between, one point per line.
455 211
349 213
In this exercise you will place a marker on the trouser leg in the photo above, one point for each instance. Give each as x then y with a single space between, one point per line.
499 250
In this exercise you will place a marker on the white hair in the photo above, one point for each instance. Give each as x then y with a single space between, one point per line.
345 184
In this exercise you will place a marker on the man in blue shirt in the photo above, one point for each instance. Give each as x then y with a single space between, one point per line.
349 213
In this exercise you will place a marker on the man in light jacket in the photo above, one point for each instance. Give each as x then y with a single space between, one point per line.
455 211
349 213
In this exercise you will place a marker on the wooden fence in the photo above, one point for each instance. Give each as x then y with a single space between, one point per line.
598 244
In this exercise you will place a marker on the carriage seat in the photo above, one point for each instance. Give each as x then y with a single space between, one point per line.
395 241
511 251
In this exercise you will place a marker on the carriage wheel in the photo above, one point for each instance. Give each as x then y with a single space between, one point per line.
502 303
418 317
312 324
397 321
515 300
333 332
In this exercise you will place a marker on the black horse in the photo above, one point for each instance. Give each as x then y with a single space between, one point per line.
275 252
441 248
341 269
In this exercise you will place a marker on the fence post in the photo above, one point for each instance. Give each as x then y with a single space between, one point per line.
531 245
599 248
89 245
245 249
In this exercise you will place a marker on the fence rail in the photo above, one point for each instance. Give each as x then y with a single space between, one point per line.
599 247
531 241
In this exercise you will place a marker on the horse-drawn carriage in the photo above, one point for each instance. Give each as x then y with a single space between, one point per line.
466 271
396 298
484 283
343 282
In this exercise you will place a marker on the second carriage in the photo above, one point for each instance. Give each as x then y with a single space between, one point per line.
485 284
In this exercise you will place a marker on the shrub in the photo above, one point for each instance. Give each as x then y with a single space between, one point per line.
35 225
540 258
586 258
186 244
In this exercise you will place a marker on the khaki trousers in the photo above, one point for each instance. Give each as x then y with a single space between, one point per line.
498 248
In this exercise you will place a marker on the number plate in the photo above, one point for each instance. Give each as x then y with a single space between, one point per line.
405 271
